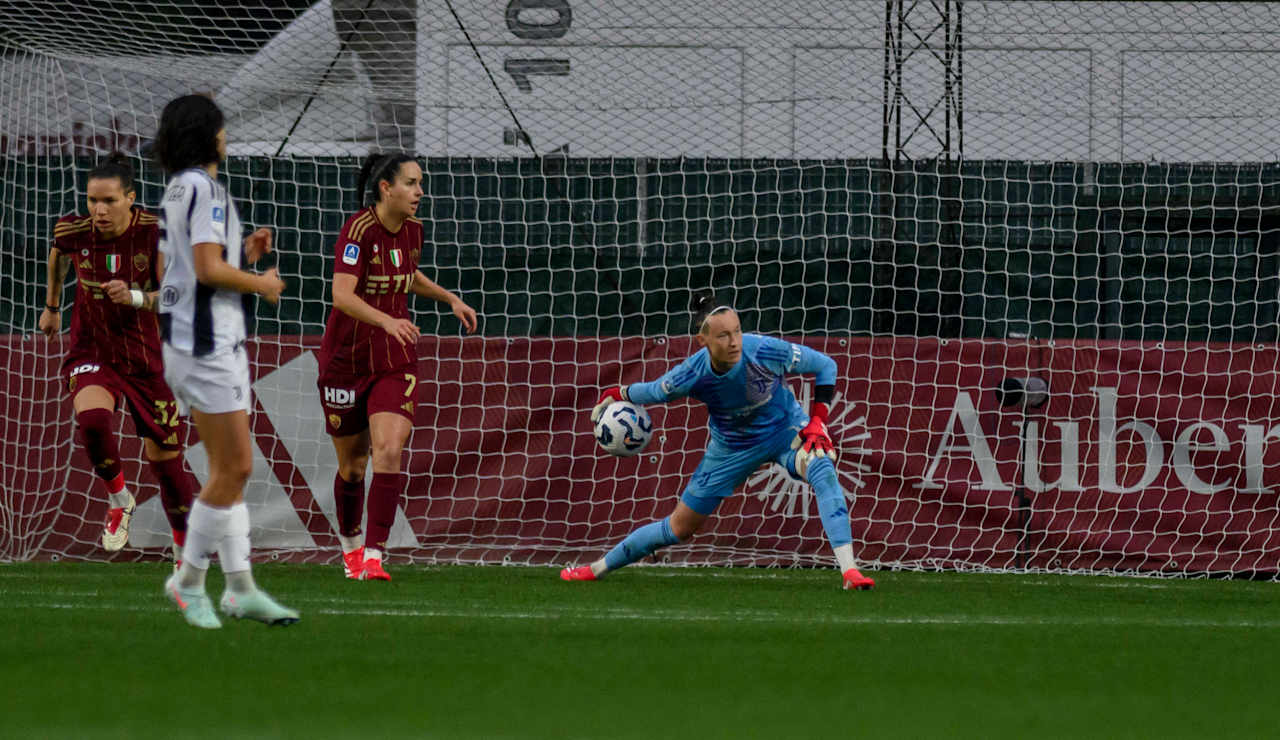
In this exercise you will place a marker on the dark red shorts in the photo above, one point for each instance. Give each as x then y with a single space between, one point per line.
349 402
147 397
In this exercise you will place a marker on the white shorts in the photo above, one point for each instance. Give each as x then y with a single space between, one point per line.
213 384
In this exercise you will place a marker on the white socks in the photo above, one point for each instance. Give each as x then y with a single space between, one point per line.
213 529
350 544
206 528
599 567
844 557
233 550
373 553
120 499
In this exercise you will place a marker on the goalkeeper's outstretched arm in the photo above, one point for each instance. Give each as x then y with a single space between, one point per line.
675 383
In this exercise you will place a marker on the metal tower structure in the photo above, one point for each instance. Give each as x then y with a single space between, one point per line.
917 286
921 40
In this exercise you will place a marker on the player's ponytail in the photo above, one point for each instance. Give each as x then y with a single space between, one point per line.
704 303
378 167
115 166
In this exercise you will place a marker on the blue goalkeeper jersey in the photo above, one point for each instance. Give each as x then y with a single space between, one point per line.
750 403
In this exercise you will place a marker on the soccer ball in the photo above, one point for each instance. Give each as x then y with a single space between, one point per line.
623 429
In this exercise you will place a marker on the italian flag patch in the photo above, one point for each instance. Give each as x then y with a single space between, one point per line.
395 257
113 262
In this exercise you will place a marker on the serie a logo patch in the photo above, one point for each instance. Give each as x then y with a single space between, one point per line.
351 254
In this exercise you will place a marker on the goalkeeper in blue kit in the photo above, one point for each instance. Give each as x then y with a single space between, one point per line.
754 419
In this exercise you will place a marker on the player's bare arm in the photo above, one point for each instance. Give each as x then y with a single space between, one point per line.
346 301
213 270
50 321
428 288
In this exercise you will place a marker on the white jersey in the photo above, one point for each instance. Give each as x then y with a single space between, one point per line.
196 318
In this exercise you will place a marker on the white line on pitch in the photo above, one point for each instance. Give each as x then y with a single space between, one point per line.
746 576
1078 580
752 617
47 592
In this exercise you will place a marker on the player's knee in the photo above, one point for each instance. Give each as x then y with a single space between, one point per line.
386 456
353 470
682 530
95 424
353 462
236 472
792 465
821 471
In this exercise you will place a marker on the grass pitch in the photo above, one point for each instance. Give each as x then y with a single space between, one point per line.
95 651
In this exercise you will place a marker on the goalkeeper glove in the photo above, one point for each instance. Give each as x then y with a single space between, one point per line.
610 395
813 441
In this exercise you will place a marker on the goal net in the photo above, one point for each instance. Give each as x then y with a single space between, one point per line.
1039 240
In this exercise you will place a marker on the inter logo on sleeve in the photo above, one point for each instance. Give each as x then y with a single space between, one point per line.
351 254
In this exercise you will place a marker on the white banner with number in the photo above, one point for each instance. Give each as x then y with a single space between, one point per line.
755 78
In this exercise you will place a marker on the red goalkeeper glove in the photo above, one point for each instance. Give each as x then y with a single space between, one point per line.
813 441
610 395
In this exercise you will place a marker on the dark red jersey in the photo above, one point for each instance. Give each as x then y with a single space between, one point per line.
384 265
125 338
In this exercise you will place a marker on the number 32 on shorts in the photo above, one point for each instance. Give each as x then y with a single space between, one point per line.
166 413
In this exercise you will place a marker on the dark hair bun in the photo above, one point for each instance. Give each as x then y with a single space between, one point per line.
702 300
115 165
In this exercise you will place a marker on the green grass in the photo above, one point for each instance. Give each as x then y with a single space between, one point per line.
94 651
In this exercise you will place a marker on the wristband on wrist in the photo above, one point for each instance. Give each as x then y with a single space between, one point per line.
51 307
824 393
137 298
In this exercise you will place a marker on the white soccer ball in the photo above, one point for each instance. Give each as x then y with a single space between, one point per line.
623 429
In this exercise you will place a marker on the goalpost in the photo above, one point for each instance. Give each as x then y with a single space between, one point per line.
968 205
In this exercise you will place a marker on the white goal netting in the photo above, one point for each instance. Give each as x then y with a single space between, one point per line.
948 198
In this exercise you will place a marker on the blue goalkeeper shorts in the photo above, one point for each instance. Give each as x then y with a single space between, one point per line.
722 471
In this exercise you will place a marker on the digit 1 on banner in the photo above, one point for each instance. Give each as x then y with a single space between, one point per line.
523 69
590 99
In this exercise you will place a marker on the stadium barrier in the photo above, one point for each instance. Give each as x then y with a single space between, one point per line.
1146 457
